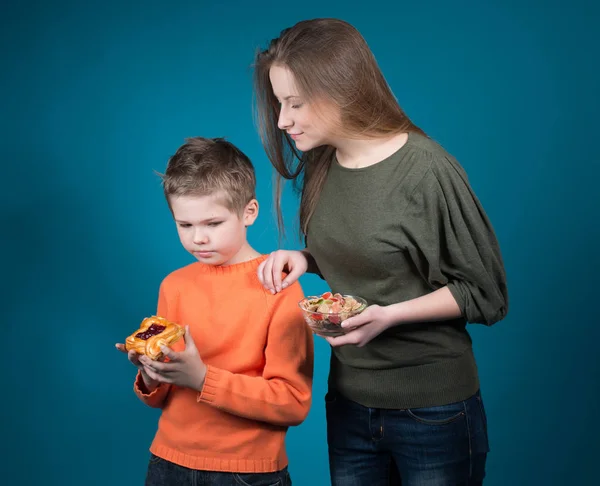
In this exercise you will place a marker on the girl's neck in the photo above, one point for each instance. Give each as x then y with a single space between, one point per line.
355 154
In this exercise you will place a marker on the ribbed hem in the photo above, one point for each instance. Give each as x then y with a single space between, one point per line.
239 465
446 381
242 267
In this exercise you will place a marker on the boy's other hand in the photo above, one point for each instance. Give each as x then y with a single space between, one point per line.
135 360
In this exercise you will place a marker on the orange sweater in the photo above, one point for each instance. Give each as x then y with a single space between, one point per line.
259 355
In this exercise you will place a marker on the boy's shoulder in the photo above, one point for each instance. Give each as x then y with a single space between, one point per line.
291 295
194 274
181 275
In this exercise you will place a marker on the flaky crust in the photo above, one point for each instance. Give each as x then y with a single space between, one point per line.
151 345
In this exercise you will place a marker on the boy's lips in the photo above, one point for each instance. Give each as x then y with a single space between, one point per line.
203 253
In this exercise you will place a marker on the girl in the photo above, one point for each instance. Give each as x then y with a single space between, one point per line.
388 215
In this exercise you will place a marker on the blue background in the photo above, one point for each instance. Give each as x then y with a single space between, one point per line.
96 97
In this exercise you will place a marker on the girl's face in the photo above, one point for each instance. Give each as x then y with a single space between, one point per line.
297 117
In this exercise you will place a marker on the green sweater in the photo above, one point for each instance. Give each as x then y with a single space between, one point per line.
394 231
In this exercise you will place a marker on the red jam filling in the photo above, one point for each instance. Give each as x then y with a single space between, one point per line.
153 330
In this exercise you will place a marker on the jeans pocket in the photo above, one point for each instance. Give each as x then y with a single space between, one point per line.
330 397
155 459
479 426
260 479
439 415
481 408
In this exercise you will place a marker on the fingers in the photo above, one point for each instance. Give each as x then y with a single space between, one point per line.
353 322
268 274
149 364
265 273
355 337
155 376
160 367
134 357
259 272
167 353
336 341
187 338
295 274
139 361
278 263
282 259
297 264
365 317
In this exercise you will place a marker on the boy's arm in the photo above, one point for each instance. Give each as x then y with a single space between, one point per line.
282 395
155 397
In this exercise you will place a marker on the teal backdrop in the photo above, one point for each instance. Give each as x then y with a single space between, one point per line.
95 96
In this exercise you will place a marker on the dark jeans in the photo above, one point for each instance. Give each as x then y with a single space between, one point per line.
164 473
434 446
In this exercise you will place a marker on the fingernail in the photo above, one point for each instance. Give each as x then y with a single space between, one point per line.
285 284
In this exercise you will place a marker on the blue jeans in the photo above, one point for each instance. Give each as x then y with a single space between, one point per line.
165 473
433 446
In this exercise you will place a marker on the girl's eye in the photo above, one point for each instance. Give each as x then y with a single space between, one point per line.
298 105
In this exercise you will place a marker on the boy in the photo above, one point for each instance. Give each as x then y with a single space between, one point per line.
243 372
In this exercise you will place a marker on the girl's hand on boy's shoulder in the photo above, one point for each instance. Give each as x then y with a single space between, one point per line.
184 368
363 328
270 271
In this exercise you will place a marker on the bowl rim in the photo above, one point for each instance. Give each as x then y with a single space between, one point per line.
362 301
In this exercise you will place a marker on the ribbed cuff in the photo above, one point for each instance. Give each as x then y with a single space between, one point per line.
139 386
211 384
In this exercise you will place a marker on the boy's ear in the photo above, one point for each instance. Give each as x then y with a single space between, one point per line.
250 212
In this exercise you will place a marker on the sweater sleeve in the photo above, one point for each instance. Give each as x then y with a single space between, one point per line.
282 395
452 242
157 397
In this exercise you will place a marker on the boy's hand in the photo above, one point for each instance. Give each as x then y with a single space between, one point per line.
135 360
185 369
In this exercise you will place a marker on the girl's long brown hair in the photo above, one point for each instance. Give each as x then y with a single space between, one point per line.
330 62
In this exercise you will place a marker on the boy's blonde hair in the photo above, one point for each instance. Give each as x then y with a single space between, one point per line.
204 166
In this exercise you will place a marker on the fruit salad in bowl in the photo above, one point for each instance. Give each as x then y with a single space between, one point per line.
325 313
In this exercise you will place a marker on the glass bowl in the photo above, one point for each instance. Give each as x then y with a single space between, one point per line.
324 313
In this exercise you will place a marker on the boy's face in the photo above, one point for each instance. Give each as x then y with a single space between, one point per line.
212 232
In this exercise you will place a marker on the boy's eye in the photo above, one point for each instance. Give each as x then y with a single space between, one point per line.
214 223
184 225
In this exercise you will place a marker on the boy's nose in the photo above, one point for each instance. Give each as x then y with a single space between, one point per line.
200 238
